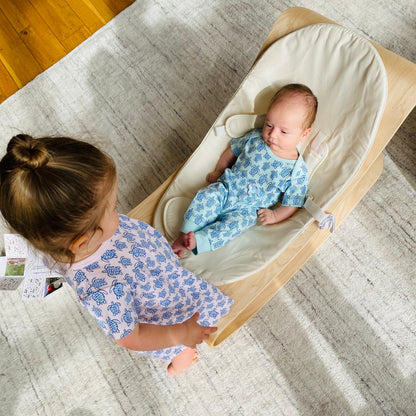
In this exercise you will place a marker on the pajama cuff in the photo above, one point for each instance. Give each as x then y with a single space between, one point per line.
202 242
188 226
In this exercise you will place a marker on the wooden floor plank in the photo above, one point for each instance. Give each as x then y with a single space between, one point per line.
118 5
33 31
94 14
7 85
62 20
15 56
34 34
77 37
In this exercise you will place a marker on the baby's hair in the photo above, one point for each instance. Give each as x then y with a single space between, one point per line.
52 191
311 102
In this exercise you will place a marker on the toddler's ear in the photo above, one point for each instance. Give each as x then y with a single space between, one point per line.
79 244
305 134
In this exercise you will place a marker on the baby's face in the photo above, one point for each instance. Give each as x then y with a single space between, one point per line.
284 127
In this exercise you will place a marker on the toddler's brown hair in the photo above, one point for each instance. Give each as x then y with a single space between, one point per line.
52 191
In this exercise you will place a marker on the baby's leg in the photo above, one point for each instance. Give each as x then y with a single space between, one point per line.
181 362
204 209
225 229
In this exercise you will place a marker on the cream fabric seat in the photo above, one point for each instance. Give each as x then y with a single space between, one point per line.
347 75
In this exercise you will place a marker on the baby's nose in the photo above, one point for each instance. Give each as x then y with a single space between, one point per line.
273 132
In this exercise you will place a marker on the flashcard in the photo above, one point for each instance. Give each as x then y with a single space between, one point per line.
10 283
15 267
23 263
15 246
37 278
10 277
34 288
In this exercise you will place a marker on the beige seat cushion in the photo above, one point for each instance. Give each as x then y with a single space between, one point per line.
347 75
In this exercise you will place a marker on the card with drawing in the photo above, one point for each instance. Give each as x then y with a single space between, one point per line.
23 263
15 246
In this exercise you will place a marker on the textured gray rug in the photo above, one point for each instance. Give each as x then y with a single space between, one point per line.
339 339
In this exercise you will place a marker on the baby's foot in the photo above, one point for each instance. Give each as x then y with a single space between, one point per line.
189 240
185 359
178 246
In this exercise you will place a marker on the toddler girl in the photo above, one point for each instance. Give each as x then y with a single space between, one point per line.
61 195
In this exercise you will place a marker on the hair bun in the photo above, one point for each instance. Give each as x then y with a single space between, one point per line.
27 151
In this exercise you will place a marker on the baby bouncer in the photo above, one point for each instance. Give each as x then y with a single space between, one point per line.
365 92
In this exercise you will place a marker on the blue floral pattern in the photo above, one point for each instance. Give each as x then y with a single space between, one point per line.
135 277
258 179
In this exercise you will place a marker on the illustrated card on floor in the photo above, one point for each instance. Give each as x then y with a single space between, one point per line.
9 281
12 266
38 278
15 246
23 264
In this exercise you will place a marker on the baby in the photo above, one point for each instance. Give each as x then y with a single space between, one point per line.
253 174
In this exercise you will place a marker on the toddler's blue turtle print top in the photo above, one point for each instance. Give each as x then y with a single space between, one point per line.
134 277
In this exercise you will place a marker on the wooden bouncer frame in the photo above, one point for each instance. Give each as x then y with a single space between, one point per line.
253 292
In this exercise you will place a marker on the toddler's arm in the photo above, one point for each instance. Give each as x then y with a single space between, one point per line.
226 160
149 337
273 216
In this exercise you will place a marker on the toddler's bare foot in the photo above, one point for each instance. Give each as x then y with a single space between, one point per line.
189 240
185 359
178 246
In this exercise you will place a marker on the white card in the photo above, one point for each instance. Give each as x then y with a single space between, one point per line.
15 246
8 282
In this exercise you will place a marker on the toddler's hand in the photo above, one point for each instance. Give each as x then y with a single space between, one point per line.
195 333
266 216
212 177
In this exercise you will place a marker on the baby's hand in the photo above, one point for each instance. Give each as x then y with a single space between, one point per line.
195 333
213 176
266 216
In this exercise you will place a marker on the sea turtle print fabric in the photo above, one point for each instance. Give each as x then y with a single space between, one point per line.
134 277
258 179
261 178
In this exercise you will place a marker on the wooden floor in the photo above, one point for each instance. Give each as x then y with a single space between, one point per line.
34 34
